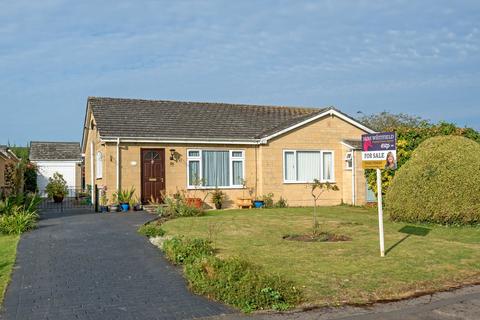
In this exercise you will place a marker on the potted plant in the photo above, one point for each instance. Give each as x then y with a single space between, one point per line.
114 205
136 204
103 202
56 188
194 201
258 203
265 201
124 197
245 201
218 197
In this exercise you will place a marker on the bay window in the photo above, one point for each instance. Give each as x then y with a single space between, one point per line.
305 166
215 168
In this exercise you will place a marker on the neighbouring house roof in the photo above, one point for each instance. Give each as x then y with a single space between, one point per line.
159 119
60 151
6 153
353 144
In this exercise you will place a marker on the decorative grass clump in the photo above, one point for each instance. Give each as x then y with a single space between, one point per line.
439 184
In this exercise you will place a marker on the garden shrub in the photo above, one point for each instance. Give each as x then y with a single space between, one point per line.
408 139
439 184
180 250
175 207
151 230
233 281
281 203
268 200
18 221
241 284
18 213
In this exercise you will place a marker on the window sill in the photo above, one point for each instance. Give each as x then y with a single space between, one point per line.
213 188
306 182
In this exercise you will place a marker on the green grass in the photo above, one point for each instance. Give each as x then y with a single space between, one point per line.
8 249
342 272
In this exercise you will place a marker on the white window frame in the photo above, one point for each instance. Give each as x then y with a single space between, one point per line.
99 165
332 180
230 167
349 160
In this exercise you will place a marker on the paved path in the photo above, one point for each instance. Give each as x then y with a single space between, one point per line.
80 265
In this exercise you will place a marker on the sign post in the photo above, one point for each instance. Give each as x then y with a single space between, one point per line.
380 213
380 152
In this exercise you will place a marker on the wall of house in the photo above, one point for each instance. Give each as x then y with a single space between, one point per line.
324 134
360 180
2 172
263 165
3 163
346 178
175 171
93 137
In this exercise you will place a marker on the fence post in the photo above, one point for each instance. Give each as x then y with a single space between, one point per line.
96 198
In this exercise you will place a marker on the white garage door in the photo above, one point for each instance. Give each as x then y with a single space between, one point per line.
46 169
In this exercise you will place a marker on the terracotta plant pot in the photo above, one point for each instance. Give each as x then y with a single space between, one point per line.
58 199
195 202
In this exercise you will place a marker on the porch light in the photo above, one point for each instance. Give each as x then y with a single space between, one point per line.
172 154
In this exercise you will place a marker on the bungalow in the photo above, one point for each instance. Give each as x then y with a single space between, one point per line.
161 147
8 160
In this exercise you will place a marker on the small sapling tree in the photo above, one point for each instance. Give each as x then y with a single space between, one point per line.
317 188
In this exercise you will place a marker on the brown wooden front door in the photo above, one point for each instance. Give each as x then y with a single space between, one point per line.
153 174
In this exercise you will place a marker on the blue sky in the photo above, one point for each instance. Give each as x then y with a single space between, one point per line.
418 57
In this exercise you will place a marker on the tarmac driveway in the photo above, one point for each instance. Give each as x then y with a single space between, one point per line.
80 265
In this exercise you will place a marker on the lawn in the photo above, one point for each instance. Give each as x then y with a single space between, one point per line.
332 273
8 248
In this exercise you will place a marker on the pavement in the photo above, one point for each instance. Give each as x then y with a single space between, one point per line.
82 265
460 304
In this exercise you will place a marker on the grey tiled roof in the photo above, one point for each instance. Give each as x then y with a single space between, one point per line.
55 151
134 118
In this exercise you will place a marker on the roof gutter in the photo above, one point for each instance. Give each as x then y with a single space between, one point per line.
187 141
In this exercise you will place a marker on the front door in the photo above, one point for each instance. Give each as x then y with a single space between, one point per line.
153 174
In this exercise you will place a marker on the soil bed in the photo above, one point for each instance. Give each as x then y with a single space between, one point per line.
322 237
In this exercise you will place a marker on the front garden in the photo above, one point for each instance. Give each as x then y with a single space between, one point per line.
420 258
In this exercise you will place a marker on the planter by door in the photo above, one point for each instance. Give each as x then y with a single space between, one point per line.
153 174
57 199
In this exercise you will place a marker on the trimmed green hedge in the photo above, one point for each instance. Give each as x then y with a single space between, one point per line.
439 184
234 281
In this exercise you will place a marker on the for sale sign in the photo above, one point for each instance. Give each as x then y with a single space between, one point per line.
379 150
